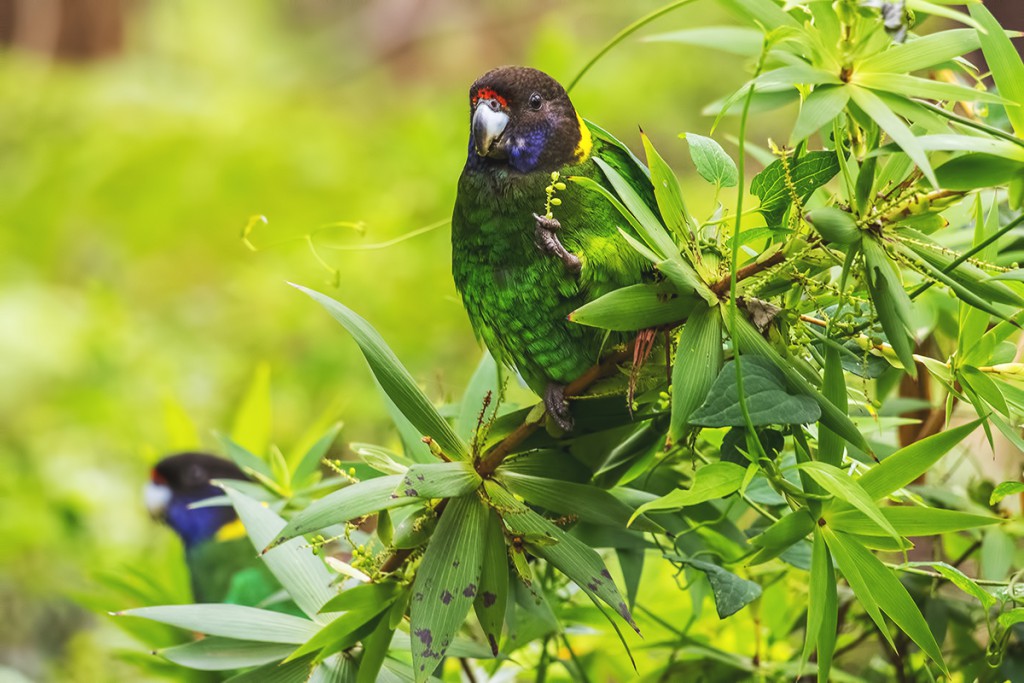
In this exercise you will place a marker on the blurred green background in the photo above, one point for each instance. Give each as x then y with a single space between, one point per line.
137 139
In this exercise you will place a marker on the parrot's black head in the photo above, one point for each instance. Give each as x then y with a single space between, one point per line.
180 480
522 118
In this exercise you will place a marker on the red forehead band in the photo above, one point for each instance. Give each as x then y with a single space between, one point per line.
488 94
157 478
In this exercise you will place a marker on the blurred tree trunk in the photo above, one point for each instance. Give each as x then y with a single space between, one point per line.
72 30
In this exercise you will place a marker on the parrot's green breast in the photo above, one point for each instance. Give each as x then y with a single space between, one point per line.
517 296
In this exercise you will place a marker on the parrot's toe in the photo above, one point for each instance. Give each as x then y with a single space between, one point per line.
547 240
557 406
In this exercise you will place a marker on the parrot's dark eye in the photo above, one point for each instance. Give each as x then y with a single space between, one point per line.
535 101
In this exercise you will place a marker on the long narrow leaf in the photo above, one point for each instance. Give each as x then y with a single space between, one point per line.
394 378
355 500
910 462
1004 61
231 621
302 574
698 361
447 582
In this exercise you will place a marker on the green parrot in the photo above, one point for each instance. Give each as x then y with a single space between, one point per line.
521 273
222 563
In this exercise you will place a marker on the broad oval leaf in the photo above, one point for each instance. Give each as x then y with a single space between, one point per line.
768 399
712 162
777 183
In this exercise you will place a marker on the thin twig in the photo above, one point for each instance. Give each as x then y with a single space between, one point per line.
722 286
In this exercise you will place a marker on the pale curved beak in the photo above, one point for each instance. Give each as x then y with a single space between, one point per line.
489 123
157 497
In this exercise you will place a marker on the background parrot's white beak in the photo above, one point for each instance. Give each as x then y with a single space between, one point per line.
157 497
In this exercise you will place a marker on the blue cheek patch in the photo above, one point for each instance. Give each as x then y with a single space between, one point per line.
525 150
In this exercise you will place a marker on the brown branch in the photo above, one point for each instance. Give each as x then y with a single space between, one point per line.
723 285
490 463
486 467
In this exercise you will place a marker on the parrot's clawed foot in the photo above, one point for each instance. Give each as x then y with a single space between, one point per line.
557 406
548 241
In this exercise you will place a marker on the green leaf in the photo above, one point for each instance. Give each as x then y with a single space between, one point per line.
963 288
343 632
439 480
782 534
892 304
910 462
768 400
910 521
835 225
874 583
961 581
566 553
394 378
1007 488
894 126
731 592
714 480
310 462
818 110
822 609
922 53
363 597
712 162
241 456
648 225
447 581
763 12
223 654
636 307
251 427
1004 62
737 40
806 175
353 501
375 650
295 671
751 342
589 503
338 668
697 363
301 573
492 598
845 488
903 85
830 444
1011 618
667 193
231 621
